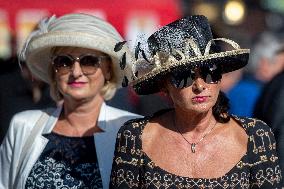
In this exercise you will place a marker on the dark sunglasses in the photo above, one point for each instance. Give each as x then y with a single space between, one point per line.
89 63
185 79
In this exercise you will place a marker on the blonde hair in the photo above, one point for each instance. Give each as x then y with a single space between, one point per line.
107 92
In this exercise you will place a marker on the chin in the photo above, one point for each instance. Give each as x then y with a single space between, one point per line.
79 96
198 108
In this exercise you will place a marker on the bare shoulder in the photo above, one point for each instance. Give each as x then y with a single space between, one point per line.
238 132
156 126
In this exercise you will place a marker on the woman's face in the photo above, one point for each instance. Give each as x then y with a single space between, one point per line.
199 97
84 78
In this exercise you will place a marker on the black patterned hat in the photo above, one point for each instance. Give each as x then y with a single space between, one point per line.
181 46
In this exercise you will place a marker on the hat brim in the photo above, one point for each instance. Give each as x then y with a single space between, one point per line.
39 57
227 62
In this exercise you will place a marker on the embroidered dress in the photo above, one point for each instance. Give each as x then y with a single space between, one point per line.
258 168
66 162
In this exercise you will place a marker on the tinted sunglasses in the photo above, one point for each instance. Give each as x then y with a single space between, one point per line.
89 63
185 79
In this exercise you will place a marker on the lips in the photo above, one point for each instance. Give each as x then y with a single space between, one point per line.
199 99
77 84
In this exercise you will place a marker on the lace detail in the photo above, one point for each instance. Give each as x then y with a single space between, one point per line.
258 168
66 162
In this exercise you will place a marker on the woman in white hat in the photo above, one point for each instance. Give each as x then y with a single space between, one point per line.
197 144
71 146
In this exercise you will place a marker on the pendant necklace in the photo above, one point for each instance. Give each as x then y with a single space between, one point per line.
193 144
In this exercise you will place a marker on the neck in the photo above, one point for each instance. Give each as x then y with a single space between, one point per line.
193 124
82 116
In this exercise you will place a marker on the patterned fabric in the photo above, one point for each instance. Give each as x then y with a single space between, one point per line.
66 162
258 168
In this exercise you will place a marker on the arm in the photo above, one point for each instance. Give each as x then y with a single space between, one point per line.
127 157
11 148
6 158
265 169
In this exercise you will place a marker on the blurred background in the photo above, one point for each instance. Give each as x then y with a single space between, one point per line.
254 24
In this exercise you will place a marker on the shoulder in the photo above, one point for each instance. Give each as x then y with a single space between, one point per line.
278 79
261 153
137 125
128 141
252 125
28 116
261 141
22 124
261 138
274 86
134 126
27 119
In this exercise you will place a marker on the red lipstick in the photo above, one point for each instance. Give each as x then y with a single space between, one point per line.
199 99
76 84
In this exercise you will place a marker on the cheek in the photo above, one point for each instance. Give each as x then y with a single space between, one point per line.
214 92
98 81
181 97
61 82
106 70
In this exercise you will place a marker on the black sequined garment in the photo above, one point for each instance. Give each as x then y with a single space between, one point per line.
66 162
258 168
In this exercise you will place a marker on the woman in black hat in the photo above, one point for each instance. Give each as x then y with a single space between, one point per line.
197 144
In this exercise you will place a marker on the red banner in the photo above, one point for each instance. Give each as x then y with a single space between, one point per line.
128 16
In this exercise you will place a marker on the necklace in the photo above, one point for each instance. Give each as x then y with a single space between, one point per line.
193 144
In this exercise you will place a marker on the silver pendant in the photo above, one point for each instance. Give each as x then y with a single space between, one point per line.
193 145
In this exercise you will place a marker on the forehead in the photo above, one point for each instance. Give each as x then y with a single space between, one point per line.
75 51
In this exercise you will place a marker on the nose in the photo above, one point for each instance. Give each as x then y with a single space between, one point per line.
77 70
198 85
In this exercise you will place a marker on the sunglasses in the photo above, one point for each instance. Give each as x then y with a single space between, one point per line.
89 63
185 79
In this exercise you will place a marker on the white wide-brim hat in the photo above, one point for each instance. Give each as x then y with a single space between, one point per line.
74 30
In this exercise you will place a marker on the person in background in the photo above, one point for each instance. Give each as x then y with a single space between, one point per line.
266 59
270 108
197 143
242 91
27 92
244 86
70 146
